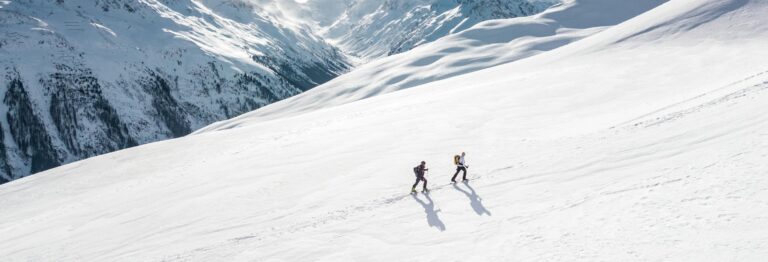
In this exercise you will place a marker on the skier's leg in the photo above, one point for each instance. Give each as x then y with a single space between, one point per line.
425 183
417 183
464 169
453 179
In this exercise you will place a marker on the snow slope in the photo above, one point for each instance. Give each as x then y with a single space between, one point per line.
485 45
645 141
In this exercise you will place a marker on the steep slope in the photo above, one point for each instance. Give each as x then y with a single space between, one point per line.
375 28
82 78
642 142
482 46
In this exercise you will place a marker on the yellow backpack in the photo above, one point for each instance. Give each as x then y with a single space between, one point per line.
456 159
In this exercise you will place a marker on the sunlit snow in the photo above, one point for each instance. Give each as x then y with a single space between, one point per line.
633 138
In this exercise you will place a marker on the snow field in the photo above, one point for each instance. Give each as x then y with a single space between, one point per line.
643 142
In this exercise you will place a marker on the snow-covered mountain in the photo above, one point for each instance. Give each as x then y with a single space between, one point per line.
482 46
82 78
640 141
376 28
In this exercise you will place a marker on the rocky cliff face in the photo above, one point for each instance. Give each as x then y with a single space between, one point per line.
82 78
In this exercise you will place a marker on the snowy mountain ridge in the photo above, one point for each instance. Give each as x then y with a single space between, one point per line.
375 28
484 45
82 78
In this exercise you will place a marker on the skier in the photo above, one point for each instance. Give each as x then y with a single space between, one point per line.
419 170
460 166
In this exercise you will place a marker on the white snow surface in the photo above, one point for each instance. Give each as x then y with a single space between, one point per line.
645 141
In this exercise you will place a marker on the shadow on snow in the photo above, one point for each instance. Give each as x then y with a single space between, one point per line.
429 208
474 200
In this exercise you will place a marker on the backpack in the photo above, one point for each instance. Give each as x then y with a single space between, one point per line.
456 159
416 171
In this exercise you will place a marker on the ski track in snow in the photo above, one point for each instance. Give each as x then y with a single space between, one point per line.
740 93
335 216
499 177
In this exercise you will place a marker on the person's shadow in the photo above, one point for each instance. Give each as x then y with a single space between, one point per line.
474 200
429 208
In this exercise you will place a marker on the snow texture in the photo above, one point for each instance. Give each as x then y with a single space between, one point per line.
642 140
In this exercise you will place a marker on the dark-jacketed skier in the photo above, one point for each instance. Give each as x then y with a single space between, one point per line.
460 166
419 170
